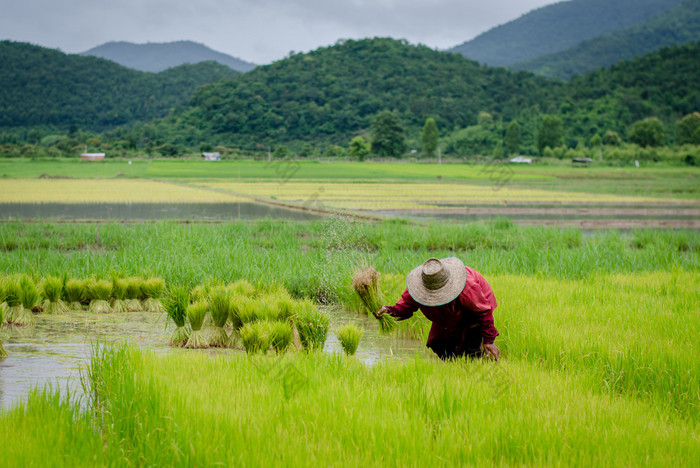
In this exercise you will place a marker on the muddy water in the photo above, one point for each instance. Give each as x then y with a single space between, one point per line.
57 348
149 211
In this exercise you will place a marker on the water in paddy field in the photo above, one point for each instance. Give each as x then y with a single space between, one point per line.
150 211
58 347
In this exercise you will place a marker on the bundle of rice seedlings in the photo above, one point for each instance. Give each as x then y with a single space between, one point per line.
285 308
13 297
99 293
30 300
311 324
242 288
220 310
75 293
119 286
152 289
243 311
53 290
3 302
175 304
133 292
280 336
256 337
349 337
3 308
366 285
195 314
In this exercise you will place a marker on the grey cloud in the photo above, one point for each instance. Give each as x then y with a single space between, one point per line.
255 30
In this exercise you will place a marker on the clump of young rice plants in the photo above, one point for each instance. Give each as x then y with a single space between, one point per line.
195 314
366 285
30 300
3 301
3 308
53 292
311 324
152 289
220 310
176 302
133 294
281 335
349 337
119 286
76 293
243 288
99 292
256 337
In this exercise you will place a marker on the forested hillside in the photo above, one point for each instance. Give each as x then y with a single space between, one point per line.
558 27
679 25
156 57
40 86
335 92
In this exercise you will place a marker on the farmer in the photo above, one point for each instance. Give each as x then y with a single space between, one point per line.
459 302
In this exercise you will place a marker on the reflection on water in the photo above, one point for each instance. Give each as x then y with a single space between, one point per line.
58 347
149 211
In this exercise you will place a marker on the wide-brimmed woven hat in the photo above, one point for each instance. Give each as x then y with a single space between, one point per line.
437 281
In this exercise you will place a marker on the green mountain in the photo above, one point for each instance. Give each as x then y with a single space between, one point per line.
335 92
558 27
156 57
678 25
40 86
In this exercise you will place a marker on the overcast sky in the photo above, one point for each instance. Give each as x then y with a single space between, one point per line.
258 31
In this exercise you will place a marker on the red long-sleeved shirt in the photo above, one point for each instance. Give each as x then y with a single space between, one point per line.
472 308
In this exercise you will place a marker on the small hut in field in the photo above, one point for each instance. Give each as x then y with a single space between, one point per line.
92 156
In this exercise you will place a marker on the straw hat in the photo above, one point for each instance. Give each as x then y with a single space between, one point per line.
437 281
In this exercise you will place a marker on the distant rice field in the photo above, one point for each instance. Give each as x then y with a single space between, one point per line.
105 191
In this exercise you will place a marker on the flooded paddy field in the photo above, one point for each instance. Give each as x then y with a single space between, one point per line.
58 348
149 211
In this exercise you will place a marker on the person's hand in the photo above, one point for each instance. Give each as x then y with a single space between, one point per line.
380 312
491 351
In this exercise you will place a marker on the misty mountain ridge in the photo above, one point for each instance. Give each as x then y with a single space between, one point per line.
158 56
558 27
679 25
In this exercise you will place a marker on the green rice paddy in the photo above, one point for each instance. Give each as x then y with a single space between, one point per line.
598 334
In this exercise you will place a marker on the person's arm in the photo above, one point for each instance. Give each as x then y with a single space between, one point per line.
403 309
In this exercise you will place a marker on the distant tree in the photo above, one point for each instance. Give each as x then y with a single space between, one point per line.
430 137
647 132
595 141
611 138
334 151
551 133
306 150
687 129
513 138
359 148
281 152
485 120
388 135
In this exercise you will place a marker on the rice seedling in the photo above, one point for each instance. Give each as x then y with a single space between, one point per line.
195 314
3 308
220 310
53 290
76 293
312 325
25 298
176 302
152 289
99 292
256 337
243 288
3 302
119 286
366 285
281 334
239 311
349 337
133 293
